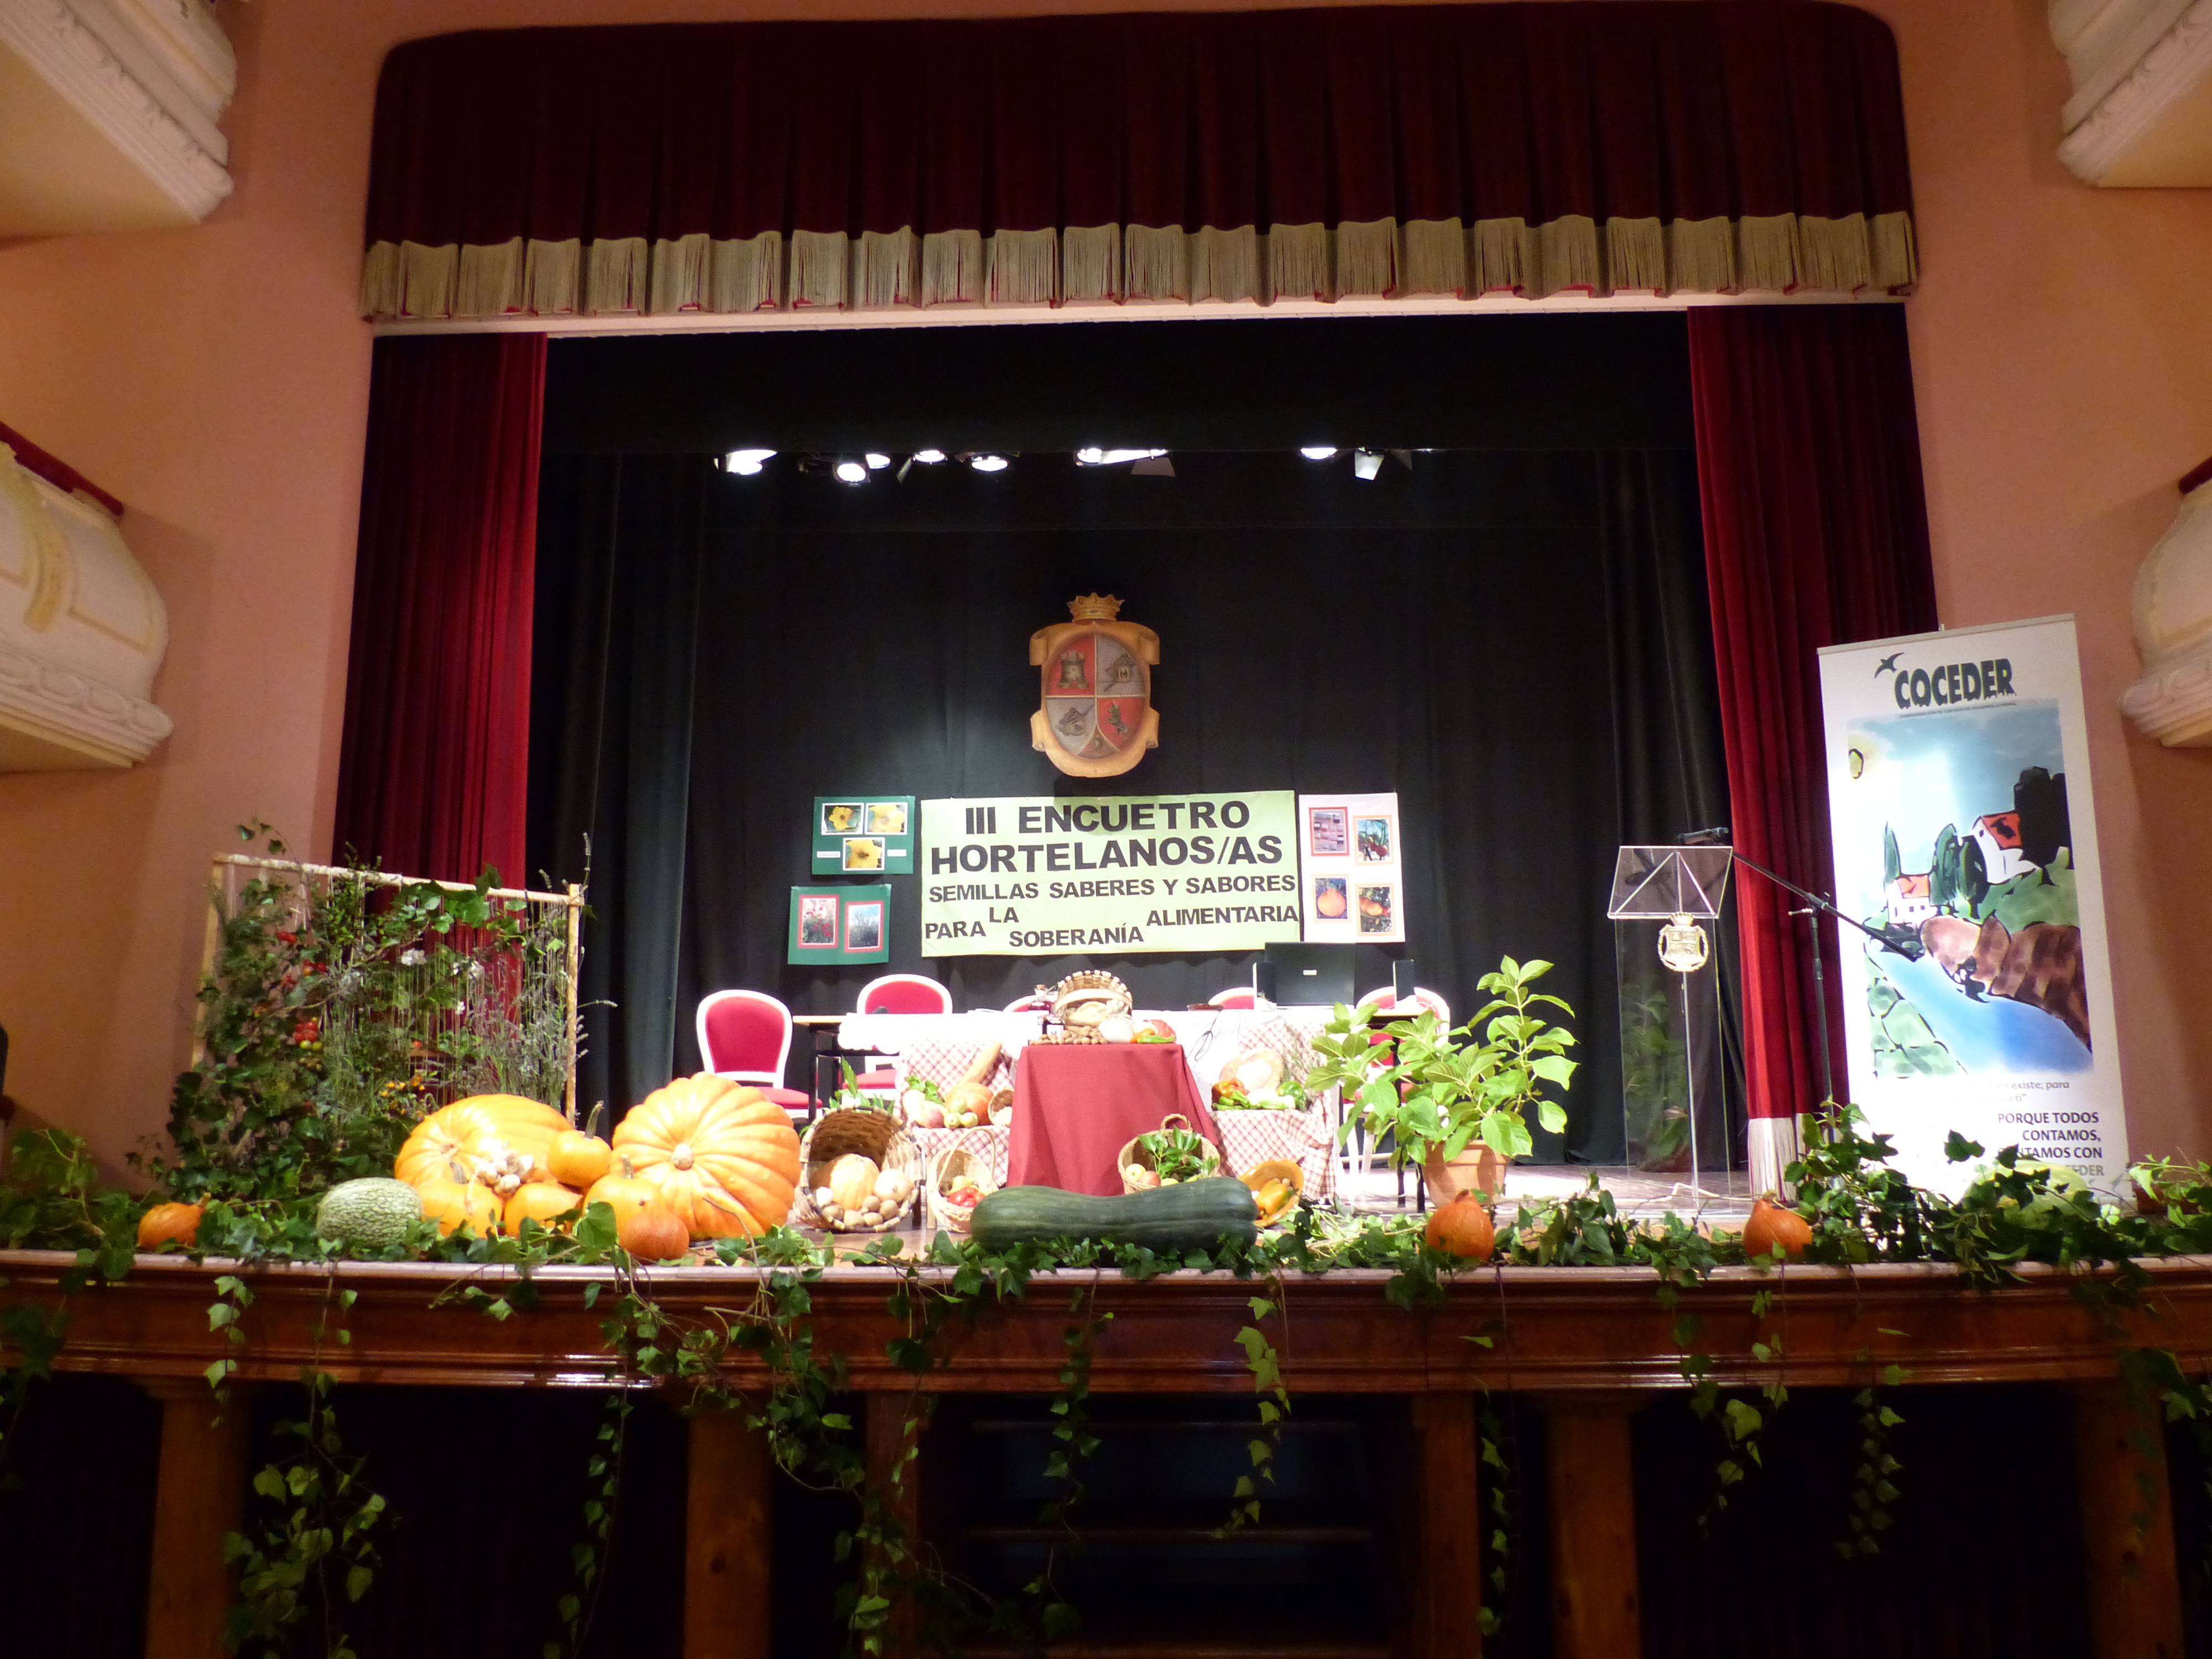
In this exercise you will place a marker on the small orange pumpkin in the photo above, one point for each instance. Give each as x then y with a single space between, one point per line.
623 1192
454 1204
539 1202
1461 1228
653 1232
725 1157
578 1159
1771 1227
168 1224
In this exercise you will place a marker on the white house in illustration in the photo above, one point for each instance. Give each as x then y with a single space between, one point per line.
1997 833
1912 899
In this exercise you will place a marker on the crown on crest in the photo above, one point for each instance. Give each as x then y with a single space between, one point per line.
1095 607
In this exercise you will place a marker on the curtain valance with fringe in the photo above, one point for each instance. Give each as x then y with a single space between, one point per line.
1649 146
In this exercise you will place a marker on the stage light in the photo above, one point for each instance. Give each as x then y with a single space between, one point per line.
852 472
876 463
1318 452
929 457
747 463
989 463
1115 457
1365 463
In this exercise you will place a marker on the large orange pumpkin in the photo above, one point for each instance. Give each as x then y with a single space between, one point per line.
471 1130
725 1157
168 1224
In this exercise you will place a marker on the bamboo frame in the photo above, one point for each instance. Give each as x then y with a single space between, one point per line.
571 900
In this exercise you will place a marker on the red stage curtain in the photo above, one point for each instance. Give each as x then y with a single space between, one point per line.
1586 145
433 779
1816 533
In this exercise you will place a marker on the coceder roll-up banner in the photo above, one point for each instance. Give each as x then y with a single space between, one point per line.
1966 834
1043 875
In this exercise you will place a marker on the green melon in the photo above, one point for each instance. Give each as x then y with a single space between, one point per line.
373 1213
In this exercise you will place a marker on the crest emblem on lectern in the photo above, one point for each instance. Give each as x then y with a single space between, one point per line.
1095 717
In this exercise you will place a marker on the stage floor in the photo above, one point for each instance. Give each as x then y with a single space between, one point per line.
1722 1195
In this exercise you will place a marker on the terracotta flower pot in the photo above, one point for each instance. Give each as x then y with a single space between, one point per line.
1477 1168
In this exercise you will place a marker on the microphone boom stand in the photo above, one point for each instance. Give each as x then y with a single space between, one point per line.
1817 906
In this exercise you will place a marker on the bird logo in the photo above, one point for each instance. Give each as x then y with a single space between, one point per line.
1886 664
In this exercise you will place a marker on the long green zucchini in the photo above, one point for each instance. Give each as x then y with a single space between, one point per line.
1190 1215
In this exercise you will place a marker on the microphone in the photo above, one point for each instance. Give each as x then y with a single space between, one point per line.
1716 836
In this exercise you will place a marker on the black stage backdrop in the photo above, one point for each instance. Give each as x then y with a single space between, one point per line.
1478 633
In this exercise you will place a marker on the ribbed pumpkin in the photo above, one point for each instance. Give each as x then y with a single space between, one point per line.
468 1129
578 1159
168 1224
456 1204
725 1157
541 1201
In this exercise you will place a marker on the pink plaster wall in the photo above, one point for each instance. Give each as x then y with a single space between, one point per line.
216 380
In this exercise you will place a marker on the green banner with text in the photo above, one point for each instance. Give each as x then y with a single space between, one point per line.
1044 876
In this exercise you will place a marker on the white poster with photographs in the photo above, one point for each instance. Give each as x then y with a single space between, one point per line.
1352 888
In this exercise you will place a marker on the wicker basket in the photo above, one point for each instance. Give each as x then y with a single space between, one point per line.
955 1161
873 1135
1135 1152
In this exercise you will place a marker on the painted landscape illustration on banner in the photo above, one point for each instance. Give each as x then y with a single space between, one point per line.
1978 892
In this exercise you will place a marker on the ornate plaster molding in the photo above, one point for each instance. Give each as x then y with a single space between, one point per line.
2173 66
71 54
75 712
2172 607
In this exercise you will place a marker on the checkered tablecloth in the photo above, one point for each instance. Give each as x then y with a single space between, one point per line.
941 1047
1306 1139
987 1144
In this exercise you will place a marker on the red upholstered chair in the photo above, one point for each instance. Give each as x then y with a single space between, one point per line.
896 993
1237 996
746 1035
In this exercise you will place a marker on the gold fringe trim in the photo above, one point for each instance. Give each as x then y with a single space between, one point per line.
745 274
379 283
618 283
1367 256
1435 258
1095 263
1832 253
818 271
1635 256
953 268
1158 262
887 269
1023 269
679 273
1767 252
1570 254
1701 256
1089 263
491 280
1893 255
426 279
1504 256
552 277
1298 265
1224 264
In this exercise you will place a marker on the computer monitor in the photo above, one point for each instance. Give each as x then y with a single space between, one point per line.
1312 975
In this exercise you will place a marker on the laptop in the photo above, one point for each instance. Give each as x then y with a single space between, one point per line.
1311 976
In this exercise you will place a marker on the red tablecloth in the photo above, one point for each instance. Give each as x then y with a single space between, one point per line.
1077 1104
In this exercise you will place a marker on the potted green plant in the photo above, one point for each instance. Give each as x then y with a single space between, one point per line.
1454 1099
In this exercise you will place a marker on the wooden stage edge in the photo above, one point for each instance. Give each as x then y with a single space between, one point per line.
1519 1329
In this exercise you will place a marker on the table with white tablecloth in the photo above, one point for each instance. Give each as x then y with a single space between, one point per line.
941 1047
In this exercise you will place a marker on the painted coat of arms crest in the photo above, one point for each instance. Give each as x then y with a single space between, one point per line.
1097 719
